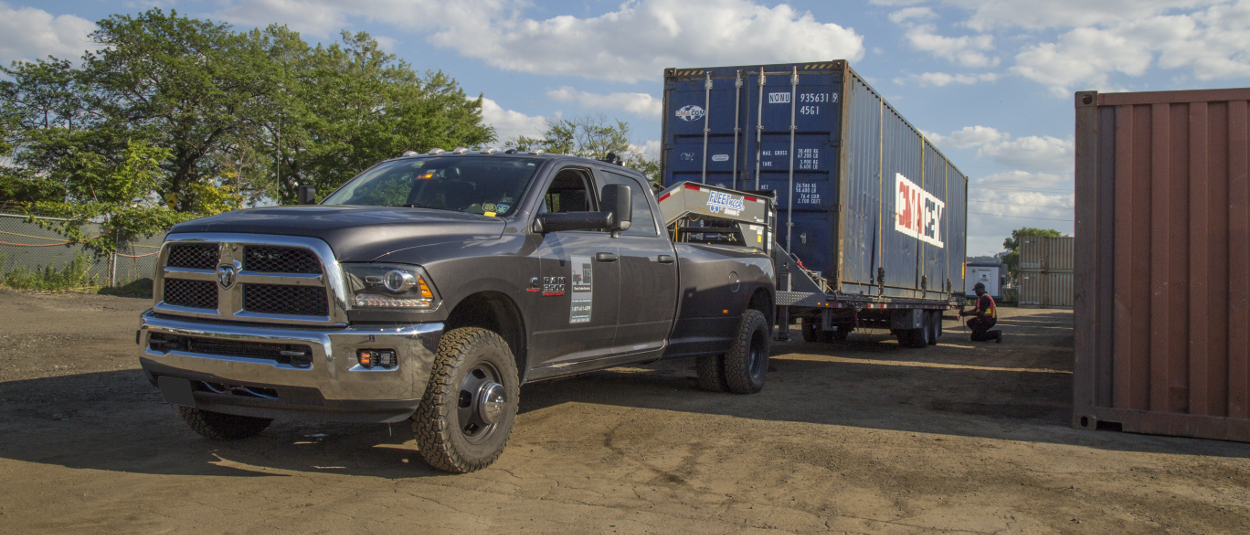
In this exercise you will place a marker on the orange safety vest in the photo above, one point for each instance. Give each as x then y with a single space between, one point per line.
992 311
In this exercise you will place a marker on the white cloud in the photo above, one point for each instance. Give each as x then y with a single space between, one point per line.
1083 56
510 124
1024 180
635 103
1098 44
969 136
968 51
1037 153
635 42
1031 14
939 79
27 33
912 13
1044 153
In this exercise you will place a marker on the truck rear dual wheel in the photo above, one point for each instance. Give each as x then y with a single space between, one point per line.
746 363
470 404
221 426
711 372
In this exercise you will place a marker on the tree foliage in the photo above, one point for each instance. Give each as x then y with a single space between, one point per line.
175 117
1012 245
591 136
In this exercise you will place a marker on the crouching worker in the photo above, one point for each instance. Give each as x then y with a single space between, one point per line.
985 315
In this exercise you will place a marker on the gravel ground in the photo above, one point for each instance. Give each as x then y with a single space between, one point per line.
859 437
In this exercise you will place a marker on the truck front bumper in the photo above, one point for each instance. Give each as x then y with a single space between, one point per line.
248 370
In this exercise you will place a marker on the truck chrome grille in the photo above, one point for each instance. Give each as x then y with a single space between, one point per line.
191 293
252 278
193 256
283 299
269 259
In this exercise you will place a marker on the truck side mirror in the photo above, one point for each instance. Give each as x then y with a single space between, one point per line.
307 195
617 201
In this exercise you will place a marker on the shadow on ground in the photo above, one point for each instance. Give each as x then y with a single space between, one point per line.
1020 390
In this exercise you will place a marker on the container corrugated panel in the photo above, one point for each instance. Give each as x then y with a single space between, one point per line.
874 205
1162 288
1046 253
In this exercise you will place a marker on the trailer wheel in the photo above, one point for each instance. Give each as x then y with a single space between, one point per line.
746 364
811 330
466 415
711 372
220 426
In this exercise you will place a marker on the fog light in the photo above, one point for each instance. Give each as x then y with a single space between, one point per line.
380 358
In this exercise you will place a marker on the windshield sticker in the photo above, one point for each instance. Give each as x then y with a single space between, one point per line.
719 202
488 207
582 277
503 207
690 113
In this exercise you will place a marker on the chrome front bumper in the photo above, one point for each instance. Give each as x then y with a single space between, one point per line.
335 387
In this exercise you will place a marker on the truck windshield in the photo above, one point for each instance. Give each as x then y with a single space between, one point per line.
489 185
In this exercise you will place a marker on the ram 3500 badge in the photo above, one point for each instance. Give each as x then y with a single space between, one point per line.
430 287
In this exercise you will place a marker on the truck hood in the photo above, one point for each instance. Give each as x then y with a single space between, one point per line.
355 233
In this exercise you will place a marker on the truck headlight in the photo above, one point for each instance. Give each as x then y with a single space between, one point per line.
389 286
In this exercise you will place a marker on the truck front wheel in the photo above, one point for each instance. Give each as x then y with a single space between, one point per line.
466 415
746 363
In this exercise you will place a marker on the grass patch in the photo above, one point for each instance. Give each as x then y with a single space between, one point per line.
139 288
72 276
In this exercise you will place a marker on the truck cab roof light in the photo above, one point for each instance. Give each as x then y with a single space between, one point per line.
411 153
489 150
538 152
436 151
459 150
510 151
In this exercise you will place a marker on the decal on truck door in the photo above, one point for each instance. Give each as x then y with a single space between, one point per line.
919 213
582 279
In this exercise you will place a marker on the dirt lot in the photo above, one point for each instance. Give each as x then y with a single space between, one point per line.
862 437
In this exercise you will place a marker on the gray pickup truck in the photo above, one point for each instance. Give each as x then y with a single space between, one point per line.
430 287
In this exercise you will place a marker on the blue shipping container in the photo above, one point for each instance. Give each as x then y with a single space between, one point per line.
862 196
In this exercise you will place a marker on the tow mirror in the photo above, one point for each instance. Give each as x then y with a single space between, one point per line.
307 195
617 201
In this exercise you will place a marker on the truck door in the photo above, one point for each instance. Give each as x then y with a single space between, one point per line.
576 315
648 273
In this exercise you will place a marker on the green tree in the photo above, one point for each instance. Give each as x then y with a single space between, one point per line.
1012 245
591 136
349 105
187 85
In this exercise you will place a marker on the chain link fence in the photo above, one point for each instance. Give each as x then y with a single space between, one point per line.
25 244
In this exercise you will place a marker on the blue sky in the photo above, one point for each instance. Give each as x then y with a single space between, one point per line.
990 82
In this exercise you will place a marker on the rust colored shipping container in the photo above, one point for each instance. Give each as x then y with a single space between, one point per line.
1042 289
1163 238
1046 254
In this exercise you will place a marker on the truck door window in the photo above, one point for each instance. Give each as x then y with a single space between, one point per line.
642 223
569 192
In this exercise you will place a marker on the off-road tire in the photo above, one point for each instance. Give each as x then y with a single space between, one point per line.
711 372
746 363
220 426
437 423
